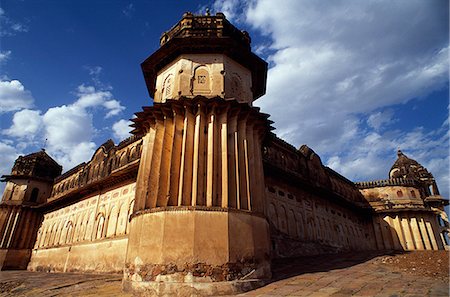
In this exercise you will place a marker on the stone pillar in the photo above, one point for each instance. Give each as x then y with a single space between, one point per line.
394 233
432 236
198 225
416 233
398 228
436 231
426 238
409 242
18 227
386 233
377 232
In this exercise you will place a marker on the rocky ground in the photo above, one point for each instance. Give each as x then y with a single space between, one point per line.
414 274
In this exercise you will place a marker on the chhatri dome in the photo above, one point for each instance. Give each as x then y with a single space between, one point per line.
405 167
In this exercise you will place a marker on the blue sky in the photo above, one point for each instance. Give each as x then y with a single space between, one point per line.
354 80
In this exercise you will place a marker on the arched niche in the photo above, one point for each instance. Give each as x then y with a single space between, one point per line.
34 195
236 88
167 89
201 81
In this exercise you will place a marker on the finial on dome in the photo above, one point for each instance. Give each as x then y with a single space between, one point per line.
399 153
208 12
45 144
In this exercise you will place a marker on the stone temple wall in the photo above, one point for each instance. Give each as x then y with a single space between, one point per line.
89 235
310 208
312 224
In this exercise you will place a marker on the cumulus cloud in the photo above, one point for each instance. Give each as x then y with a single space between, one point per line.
69 129
90 97
351 57
337 68
14 96
121 129
26 124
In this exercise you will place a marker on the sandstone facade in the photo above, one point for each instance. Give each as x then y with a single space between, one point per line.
203 196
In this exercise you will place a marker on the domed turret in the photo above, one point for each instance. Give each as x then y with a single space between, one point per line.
405 167
31 179
38 165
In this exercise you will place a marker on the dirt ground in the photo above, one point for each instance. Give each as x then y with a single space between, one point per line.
433 264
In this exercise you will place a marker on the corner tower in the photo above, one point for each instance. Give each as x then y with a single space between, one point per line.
28 185
198 224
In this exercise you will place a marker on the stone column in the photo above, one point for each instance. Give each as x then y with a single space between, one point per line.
436 230
409 242
431 234
394 233
386 233
398 228
416 233
426 238
377 232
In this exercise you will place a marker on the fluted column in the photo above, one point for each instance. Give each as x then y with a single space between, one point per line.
200 189
416 233
426 238
394 233
409 242
431 234
398 228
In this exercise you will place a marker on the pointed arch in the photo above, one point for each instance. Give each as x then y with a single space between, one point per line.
99 225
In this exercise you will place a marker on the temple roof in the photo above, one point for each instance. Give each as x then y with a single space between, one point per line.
38 165
405 167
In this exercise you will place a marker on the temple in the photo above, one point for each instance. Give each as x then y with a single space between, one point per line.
203 196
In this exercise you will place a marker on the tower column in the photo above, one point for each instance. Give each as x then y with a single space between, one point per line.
205 239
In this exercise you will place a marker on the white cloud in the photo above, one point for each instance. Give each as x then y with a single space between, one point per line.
4 56
231 8
347 57
26 123
382 118
69 129
337 68
9 153
121 129
372 156
90 97
14 96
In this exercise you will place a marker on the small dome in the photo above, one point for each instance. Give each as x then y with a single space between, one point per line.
405 167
